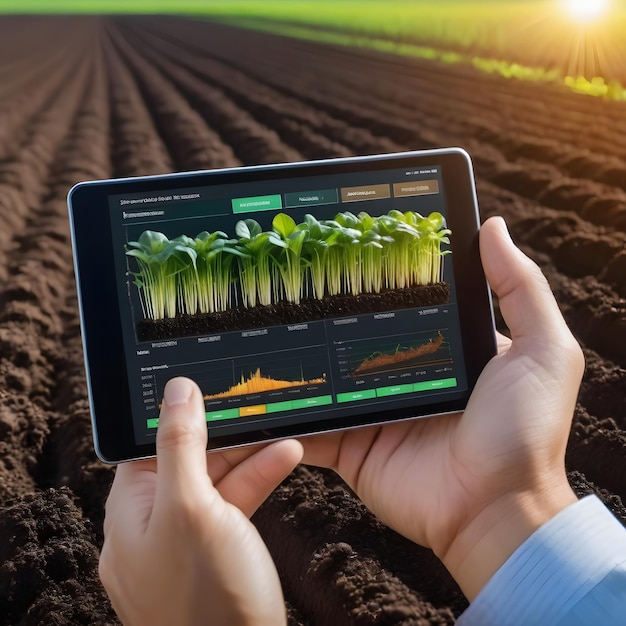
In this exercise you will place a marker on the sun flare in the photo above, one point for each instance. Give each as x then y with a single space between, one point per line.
587 10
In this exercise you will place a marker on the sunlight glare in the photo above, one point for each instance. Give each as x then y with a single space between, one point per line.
587 10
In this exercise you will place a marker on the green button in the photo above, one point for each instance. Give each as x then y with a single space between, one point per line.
306 403
429 385
153 423
257 203
226 414
365 394
311 198
394 390
276 407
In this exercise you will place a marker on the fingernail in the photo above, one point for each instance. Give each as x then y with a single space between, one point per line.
504 226
177 391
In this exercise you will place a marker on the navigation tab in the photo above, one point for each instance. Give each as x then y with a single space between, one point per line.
430 385
416 188
368 192
225 414
311 198
307 403
276 407
394 390
363 394
257 203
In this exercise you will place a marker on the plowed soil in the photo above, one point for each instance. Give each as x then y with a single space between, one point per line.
86 98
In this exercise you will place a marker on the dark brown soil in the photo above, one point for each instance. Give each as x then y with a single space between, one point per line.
309 309
88 98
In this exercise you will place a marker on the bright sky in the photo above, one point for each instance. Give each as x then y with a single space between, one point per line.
587 10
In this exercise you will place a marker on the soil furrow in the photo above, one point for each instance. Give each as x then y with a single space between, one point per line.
36 94
191 143
136 147
48 573
85 155
23 177
529 180
594 311
56 550
305 128
597 448
252 142
32 313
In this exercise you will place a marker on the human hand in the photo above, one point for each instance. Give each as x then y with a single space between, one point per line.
179 548
474 486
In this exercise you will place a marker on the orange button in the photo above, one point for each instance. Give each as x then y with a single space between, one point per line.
415 188
256 409
369 192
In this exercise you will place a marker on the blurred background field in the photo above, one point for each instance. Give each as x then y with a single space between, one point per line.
577 42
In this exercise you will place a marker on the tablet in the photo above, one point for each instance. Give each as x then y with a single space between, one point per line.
301 297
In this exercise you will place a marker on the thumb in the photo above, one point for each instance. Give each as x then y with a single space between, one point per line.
526 301
181 439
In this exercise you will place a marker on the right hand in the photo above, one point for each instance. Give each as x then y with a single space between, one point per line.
474 486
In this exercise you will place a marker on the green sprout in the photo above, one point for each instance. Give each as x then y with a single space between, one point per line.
289 261
318 239
215 272
255 262
160 261
349 254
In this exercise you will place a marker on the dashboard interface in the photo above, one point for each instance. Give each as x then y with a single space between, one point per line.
289 299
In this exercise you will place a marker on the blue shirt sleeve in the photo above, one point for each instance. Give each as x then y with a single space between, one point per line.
570 572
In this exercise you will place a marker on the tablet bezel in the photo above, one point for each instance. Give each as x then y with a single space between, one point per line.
107 380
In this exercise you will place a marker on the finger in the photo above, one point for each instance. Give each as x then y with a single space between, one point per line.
127 475
131 497
253 480
322 450
342 451
181 440
219 463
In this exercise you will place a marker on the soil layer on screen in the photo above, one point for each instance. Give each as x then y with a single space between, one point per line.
308 310
91 98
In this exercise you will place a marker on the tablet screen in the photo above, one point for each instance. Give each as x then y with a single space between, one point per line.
298 300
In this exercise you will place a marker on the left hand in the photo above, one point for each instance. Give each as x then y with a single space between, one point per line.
179 547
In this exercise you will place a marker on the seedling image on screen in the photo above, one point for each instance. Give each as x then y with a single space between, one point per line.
294 271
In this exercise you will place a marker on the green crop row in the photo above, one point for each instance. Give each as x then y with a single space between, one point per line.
530 40
535 40
349 254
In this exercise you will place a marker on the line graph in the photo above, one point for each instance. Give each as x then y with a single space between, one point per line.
367 357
